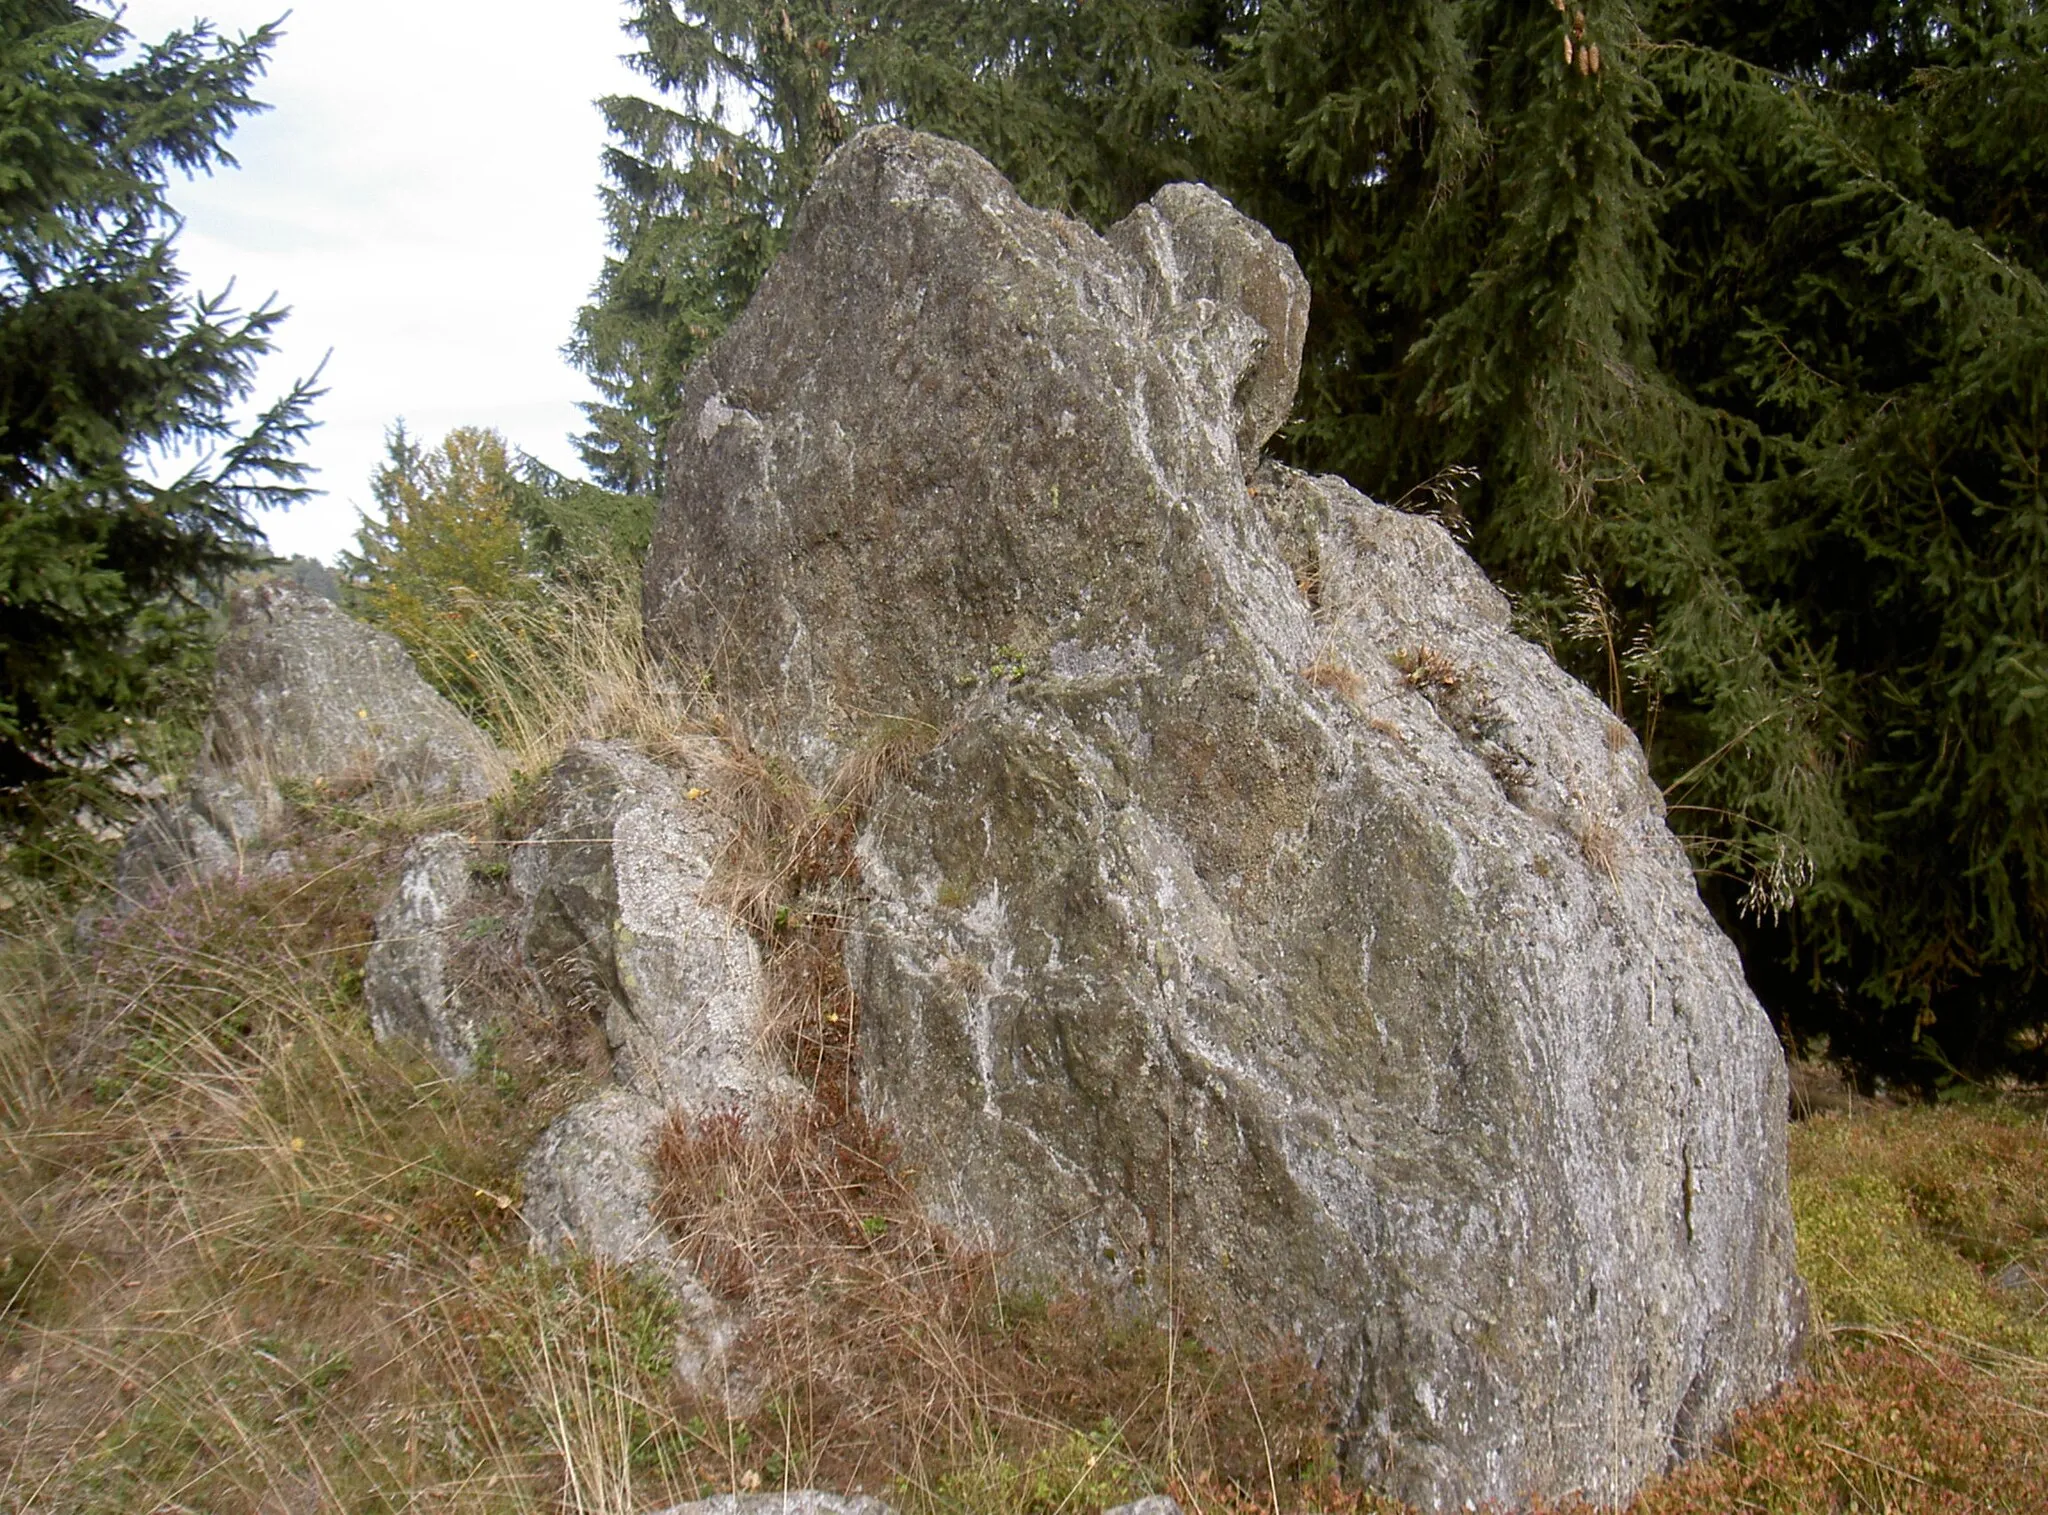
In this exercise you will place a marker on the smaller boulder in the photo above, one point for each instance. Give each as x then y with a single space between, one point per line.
590 1187
210 828
2024 1285
408 981
621 926
303 693
783 1502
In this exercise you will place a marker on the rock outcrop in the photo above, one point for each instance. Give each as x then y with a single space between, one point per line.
302 693
212 826
619 927
410 983
1264 905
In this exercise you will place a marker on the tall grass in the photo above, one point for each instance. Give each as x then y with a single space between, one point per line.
565 661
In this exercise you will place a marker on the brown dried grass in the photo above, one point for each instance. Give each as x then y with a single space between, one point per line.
1429 669
883 1352
1342 681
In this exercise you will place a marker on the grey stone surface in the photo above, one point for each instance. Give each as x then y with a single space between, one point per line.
783 1502
301 692
618 927
1151 1504
589 1186
211 827
407 980
2027 1284
1264 905
977 405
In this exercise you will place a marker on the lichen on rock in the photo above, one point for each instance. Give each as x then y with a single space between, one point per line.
620 925
409 980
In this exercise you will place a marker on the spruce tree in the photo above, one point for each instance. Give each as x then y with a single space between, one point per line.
108 368
697 198
1720 332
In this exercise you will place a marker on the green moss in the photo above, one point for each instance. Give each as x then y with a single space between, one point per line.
1902 1214
1869 1262
1083 1471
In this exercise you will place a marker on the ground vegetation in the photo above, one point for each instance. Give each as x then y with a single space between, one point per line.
249 1256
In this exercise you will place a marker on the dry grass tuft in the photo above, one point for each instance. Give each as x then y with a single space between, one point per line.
1600 843
883 1353
1345 683
786 875
247 1225
565 664
1426 668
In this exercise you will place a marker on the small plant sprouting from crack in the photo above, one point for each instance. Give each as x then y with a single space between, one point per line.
1428 669
1600 843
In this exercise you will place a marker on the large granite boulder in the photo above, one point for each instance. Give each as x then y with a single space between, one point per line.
1264 906
302 693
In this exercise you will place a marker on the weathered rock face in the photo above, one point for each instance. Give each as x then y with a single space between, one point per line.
212 827
619 927
940 397
588 1185
302 692
409 980
1264 904
783 1502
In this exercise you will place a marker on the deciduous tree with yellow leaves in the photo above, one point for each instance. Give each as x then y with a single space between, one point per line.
450 542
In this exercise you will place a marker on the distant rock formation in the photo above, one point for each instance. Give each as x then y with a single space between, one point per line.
301 693
1263 909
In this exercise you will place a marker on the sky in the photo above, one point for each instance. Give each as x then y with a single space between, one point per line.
422 194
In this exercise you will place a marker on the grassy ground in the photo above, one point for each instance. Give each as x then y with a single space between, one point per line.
252 1262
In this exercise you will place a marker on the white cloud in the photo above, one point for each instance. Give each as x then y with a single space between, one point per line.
423 195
